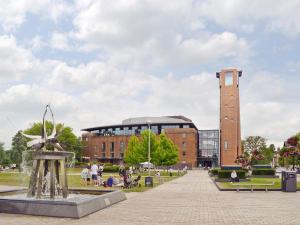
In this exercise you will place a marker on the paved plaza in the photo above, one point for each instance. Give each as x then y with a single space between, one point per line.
191 199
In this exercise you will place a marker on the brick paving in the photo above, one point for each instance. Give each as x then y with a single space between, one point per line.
191 199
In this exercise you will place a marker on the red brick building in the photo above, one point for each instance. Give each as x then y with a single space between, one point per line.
108 143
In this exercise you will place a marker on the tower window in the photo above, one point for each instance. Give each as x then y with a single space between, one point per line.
228 79
226 145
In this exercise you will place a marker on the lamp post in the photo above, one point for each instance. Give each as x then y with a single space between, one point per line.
148 122
149 179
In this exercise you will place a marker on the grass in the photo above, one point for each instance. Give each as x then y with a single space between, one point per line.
277 183
75 181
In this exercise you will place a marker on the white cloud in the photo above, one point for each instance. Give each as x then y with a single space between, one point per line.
60 41
268 106
15 61
153 33
13 13
98 93
279 16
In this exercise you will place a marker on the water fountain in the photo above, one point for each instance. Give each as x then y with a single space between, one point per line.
48 192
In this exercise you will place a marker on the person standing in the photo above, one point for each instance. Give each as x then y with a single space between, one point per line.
94 172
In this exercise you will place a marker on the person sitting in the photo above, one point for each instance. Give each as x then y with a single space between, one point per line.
115 180
121 182
110 181
234 177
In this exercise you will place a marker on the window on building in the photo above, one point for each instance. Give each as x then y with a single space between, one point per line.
183 144
226 145
118 131
186 126
228 79
112 147
103 147
184 153
112 155
154 129
122 149
144 128
103 154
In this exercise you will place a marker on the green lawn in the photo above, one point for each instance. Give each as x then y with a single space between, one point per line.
75 181
277 183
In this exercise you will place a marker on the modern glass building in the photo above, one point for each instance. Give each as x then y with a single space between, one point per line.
208 154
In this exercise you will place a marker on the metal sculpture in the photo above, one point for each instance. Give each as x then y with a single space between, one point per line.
43 159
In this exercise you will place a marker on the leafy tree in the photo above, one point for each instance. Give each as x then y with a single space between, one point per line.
2 153
162 150
4 156
254 143
144 145
290 153
166 153
268 154
18 146
66 137
132 154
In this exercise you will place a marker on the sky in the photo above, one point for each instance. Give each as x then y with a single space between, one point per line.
97 62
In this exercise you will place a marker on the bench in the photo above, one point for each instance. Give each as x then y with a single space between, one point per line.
238 185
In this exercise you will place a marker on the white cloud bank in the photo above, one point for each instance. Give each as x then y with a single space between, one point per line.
131 39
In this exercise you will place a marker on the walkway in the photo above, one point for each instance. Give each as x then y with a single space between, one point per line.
192 199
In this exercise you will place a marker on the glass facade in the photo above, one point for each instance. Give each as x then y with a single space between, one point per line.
208 154
136 130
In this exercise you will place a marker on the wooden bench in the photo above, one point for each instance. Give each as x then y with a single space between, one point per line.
238 185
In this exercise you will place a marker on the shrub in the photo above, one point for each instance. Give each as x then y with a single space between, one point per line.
263 172
107 164
214 171
111 169
227 174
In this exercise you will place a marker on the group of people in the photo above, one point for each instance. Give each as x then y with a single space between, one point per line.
93 173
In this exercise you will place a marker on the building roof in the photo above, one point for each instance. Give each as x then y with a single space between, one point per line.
157 120
138 121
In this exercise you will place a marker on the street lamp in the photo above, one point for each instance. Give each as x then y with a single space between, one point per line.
148 122
149 179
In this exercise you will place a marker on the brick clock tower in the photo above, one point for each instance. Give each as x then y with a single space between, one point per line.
230 126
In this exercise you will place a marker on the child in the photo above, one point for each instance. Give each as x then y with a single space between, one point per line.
85 175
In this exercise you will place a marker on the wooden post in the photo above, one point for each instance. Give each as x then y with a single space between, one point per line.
52 179
63 179
40 179
33 178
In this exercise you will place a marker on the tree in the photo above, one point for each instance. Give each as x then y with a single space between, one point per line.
4 156
254 143
66 137
144 145
18 146
132 154
2 153
268 154
166 153
163 152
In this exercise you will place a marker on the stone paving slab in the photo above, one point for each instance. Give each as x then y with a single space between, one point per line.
191 199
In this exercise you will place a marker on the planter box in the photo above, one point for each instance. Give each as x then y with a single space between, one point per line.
264 176
228 180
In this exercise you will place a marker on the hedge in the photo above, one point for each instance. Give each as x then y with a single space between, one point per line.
227 174
111 169
214 171
263 172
